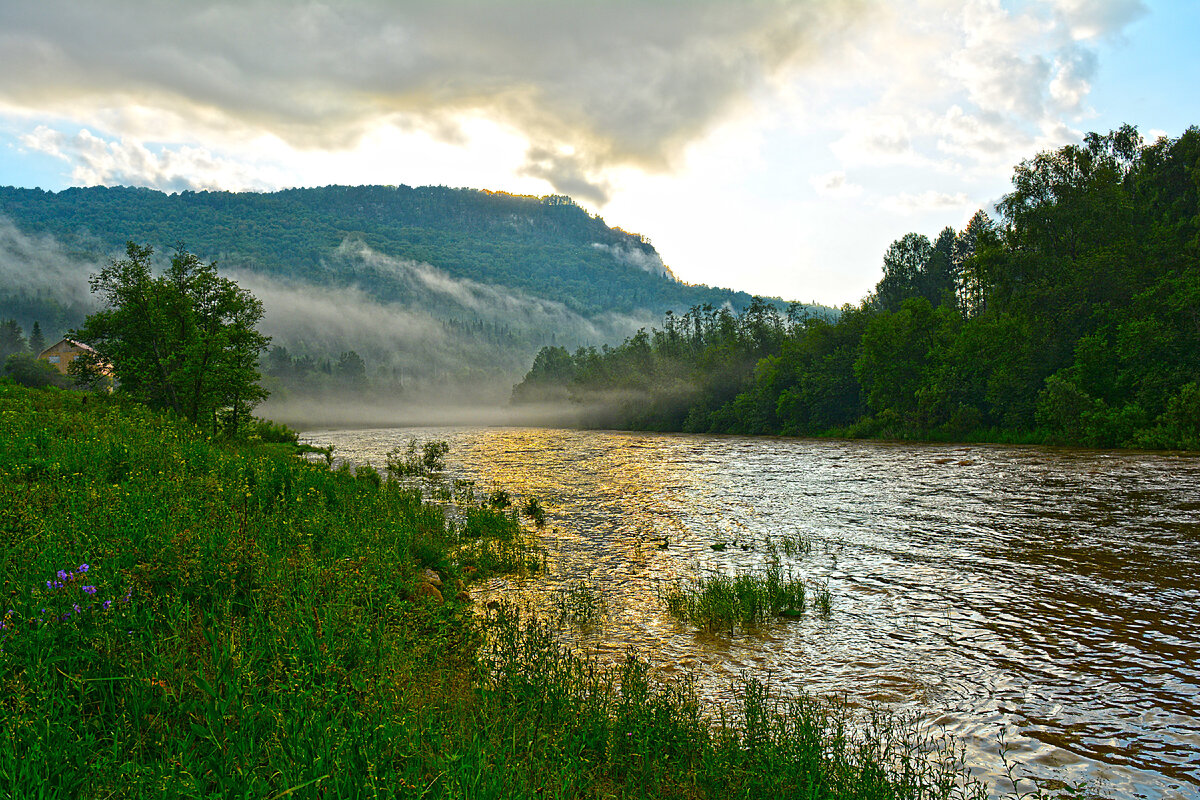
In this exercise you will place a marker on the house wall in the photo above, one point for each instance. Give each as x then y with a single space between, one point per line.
61 355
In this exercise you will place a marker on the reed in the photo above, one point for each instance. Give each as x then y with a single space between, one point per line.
579 604
723 602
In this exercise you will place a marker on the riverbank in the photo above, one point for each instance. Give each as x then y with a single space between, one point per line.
189 618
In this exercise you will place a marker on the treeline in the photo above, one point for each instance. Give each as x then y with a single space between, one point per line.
1073 318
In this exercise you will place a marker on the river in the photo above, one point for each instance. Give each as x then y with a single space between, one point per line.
1051 596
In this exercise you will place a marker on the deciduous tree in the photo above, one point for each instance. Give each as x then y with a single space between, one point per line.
184 340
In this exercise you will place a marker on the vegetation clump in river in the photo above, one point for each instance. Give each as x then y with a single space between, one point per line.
721 602
189 618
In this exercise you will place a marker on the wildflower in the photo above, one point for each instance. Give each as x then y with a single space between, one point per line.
90 589
107 604
63 576
83 568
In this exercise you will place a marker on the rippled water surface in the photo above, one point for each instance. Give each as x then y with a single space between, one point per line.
1051 595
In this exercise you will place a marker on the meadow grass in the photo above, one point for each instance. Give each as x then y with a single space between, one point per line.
186 618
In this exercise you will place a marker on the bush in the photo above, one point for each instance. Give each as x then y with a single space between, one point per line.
35 373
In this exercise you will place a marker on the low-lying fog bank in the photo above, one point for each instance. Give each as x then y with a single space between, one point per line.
313 413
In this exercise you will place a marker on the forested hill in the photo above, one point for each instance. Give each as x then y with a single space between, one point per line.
548 247
1073 318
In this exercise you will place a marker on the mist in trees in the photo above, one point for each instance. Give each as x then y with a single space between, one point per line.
1073 318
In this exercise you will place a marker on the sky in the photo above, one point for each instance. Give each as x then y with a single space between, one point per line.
770 146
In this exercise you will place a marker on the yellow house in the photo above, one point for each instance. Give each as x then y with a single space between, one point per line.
63 352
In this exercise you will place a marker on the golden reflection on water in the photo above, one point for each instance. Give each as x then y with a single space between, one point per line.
1050 594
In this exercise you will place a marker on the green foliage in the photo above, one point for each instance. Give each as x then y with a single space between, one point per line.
12 339
410 461
271 432
534 510
1074 321
33 372
721 602
183 341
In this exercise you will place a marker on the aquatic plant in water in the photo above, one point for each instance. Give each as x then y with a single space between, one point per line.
722 602
533 509
580 604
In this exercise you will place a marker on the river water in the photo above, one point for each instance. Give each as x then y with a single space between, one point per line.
1049 596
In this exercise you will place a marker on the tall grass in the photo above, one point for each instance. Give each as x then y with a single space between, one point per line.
721 602
198 620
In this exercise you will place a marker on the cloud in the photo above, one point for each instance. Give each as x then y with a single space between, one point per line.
623 84
834 184
1073 74
568 172
929 200
1091 19
968 86
876 139
635 257
97 162
429 286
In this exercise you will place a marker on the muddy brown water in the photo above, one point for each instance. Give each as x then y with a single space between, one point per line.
1050 596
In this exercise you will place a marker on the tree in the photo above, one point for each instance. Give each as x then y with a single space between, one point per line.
904 264
969 285
37 341
12 339
33 372
352 369
937 275
184 340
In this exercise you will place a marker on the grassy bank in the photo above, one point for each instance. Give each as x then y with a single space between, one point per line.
197 619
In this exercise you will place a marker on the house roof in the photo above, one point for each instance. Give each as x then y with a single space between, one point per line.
71 342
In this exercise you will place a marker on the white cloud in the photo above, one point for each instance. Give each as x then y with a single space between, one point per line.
1091 19
631 83
873 139
96 161
834 184
702 124
908 203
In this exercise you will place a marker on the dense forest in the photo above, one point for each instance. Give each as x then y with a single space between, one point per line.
1074 317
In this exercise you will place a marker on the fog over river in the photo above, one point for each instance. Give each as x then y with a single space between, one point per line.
1052 595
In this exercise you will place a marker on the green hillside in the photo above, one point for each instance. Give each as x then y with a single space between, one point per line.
546 247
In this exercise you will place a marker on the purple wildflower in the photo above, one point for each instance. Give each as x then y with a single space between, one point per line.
62 575
90 589
107 604
83 567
